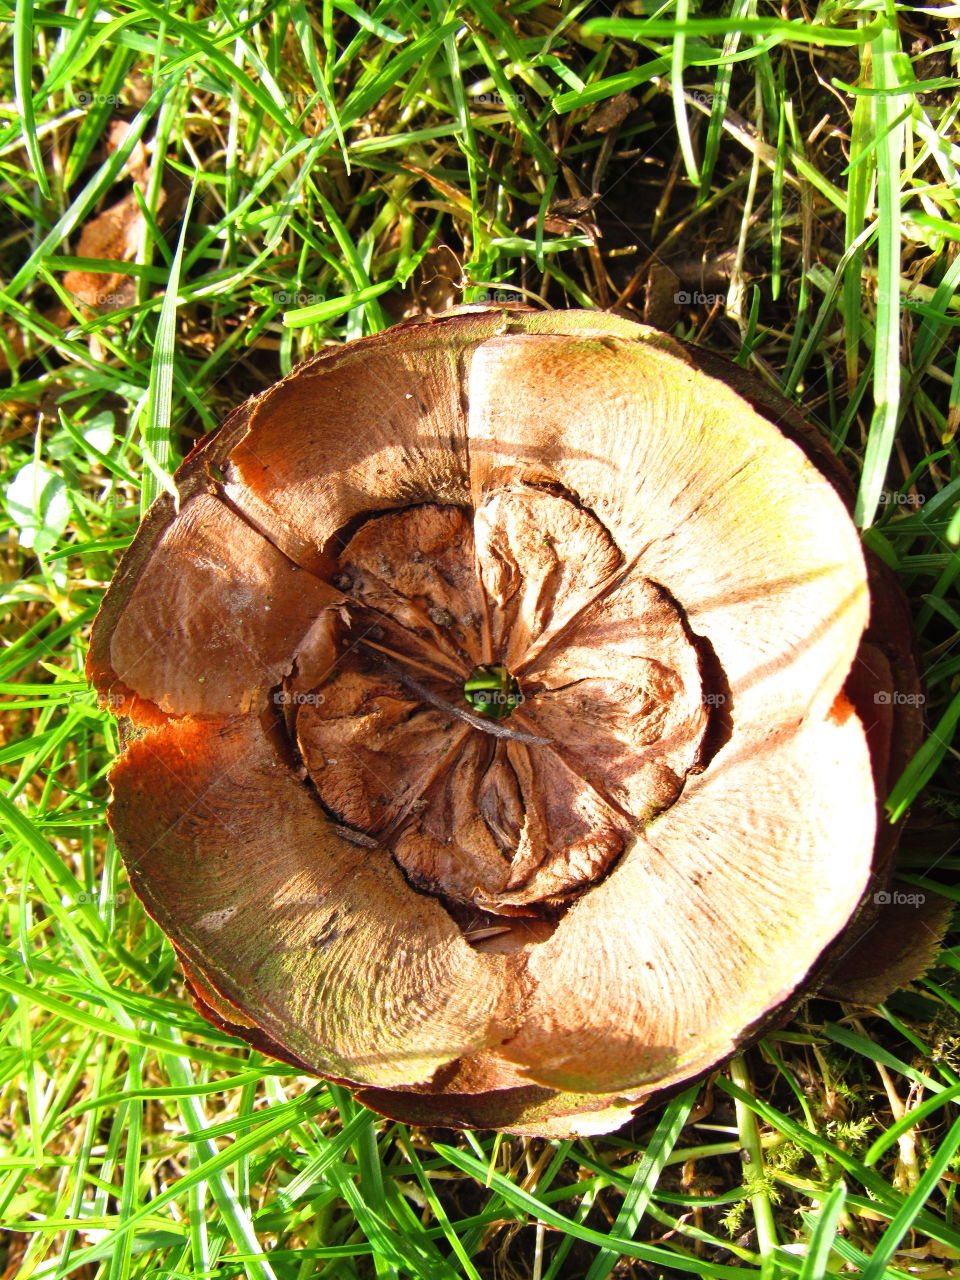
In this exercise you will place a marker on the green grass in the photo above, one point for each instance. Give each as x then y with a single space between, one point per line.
318 172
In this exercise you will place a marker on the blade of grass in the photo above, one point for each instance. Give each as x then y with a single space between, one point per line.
925 763
158 409
98 184
527 1205
888 145
644 1180
676 93
824 1234
911 1208
22 79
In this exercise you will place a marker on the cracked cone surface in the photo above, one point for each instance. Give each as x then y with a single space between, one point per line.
534 918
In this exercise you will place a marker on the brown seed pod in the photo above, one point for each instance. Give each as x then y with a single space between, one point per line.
487 746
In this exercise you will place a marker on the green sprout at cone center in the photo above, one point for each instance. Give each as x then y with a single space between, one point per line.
492 691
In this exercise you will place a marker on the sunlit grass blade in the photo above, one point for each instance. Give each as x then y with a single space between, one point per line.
22 67
911 1208
158 411
644 1181
888 143
924 764
824 1234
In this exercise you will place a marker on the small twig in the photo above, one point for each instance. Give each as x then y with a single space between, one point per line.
414 662
488 726
359 838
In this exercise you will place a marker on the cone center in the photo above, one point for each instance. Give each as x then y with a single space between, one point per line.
491 691
506 703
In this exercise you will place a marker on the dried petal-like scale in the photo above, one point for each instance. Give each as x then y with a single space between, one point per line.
536 913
